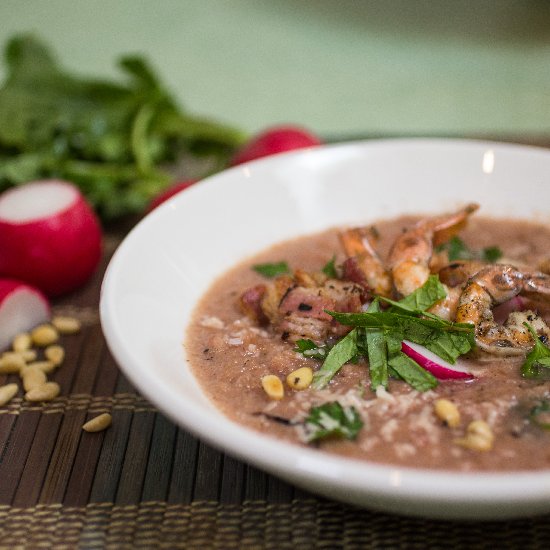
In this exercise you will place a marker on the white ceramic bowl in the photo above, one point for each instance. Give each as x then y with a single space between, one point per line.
169 260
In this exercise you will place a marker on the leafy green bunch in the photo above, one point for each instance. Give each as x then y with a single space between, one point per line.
112 139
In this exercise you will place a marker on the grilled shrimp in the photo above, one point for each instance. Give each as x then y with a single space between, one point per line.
409 257
496 284
358 246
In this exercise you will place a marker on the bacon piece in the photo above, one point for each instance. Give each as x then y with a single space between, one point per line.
251 304
296 307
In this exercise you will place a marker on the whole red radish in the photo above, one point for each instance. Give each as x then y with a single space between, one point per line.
277 139
169 192
49 236
22 307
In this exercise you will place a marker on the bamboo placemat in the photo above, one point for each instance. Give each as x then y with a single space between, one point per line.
145 483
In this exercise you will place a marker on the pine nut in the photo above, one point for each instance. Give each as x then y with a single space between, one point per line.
32 377
300 379
479 437
22 342
7 393
28 355
98 423
11 362
55 354
46 367
273 386
46 392
44 335
447 411
66 325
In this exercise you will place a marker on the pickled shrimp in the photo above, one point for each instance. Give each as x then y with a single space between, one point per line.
410 255
408 266
494 285
358 246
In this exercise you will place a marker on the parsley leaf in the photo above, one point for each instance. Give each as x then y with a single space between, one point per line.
377 353
332 420
411 372
458 250
330 269
308 348
338 356
491 254
538 357
113 138
271 270
423 298
540 415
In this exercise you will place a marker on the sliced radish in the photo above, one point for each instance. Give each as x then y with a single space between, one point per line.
275 140
49 236
22 307
169 192
433 363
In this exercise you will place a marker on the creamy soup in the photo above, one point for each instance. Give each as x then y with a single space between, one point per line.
231 351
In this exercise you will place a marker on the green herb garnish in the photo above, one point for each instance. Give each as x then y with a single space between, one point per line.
376 352
540 412
308 348
538 359
330 269
338 356
379 335
112 139
332 420
423 298
458 250
271 270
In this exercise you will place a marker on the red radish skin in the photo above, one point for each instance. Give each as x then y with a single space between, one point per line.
49 236
169 192
275 140
22 307
440 368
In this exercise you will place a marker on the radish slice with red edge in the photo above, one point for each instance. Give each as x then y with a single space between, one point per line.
428 360
22 307
49 236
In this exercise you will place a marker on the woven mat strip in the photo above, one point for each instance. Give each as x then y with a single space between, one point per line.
258 524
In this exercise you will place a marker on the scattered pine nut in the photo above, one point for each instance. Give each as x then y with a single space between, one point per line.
98 423
11 362
7 393
32 377
46 367
55 354
44 335
22 342
300 379
479 437
66 325
28 355
448 412
46 392
273 386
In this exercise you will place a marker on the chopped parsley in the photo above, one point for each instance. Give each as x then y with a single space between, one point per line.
330 269
378 335
537 360
458 250
540 415
271 270
332 420
308 348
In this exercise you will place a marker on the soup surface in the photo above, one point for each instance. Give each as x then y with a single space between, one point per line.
231 352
